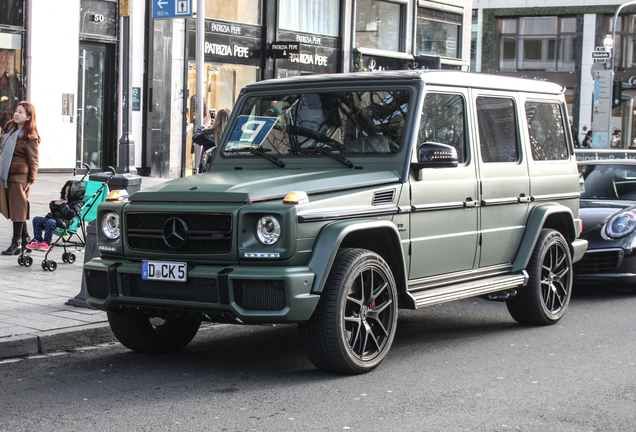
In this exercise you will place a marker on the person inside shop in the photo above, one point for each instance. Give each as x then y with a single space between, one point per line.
587 139
62 213
19 162
212 129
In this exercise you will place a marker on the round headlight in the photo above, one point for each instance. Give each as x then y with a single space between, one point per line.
621 224
268 230
110 226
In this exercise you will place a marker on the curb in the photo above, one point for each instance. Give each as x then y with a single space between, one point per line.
55 340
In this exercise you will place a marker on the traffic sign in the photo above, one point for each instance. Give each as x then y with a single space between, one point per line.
171 9
601 54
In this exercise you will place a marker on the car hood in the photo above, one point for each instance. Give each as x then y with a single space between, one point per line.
242 186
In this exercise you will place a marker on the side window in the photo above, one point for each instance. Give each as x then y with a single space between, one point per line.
497 129
444 121
546 130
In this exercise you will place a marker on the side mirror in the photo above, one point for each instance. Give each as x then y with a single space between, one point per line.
435 155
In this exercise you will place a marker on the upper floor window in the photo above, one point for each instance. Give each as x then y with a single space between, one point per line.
537 43
242 11
310 16
379 24
438 33
625 43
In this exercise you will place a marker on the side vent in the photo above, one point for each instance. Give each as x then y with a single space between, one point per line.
383 197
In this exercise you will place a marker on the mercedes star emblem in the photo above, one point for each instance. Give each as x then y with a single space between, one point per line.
175 233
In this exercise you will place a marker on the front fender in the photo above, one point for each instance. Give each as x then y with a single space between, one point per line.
332 237
551 215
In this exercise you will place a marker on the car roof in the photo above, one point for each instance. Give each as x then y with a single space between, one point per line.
434 77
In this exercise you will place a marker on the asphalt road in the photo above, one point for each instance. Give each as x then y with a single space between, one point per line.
462 366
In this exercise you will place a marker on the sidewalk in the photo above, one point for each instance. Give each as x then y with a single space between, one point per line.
34 318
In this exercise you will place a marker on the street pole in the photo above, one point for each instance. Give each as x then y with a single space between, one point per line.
612 55
126 142
200 65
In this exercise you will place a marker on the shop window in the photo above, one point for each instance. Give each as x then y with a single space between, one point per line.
497 129
438 33
310 16
379 24
11 78
537 43
546 131
243 11
99 18
222 83
12 12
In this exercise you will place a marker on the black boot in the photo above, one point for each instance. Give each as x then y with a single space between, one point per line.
25 237
14 248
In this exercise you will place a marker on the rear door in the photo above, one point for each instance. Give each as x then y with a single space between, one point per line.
503 176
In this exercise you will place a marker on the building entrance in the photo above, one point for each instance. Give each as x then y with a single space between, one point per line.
96 125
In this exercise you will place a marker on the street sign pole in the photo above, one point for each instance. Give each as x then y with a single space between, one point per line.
200 61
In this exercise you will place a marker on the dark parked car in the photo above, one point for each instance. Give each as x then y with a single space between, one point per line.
608 212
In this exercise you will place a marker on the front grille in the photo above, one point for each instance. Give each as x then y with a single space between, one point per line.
598 262
259 295
96 283
208 233
195 290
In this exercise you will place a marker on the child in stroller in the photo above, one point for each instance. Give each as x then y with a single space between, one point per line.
62 214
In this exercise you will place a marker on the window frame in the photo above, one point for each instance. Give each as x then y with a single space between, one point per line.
401 42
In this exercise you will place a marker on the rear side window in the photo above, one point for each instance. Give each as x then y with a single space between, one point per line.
546 130
497 129
444 121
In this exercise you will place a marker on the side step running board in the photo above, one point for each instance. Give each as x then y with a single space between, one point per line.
467 289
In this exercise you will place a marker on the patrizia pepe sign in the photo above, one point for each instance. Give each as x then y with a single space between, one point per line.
229 42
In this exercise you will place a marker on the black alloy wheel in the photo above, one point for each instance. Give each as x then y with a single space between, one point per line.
546 297
354 324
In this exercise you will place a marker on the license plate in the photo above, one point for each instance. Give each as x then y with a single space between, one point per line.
164 270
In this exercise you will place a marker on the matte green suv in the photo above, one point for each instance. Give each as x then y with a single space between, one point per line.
333 201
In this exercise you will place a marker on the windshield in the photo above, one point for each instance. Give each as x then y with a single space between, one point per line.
365 122
608 182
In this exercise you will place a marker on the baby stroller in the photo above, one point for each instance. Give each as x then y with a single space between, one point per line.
75 235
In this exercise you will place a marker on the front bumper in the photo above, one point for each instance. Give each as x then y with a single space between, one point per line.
615 265
245 294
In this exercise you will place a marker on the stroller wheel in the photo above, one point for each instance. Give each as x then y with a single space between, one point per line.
65 257
45 265
28 261
52 265
21 260
70 258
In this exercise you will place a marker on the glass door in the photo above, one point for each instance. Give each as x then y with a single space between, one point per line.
95 120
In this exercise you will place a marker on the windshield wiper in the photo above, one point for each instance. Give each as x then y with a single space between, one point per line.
323 150
259 152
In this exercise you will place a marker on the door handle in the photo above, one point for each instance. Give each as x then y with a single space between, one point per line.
470 203
524 199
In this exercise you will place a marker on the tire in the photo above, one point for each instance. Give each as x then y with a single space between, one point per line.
353 326
151 334
52 266
65 257
71 257
545 298
28 261
21 260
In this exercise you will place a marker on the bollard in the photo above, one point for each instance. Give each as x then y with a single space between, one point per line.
90 252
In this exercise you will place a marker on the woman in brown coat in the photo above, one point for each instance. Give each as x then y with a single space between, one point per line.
19 161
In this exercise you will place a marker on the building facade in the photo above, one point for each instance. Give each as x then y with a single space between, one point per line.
73 75
555 43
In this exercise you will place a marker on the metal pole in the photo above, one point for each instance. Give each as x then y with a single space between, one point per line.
200 62
126 142
612 55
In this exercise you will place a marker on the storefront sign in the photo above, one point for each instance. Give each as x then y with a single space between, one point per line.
316 53
99 18
309 39
285 49
227 42
136 98
379 63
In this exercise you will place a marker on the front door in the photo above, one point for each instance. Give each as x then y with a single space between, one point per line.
444 232
96 121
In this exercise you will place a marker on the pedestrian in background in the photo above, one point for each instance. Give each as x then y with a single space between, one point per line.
19 161
211 130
